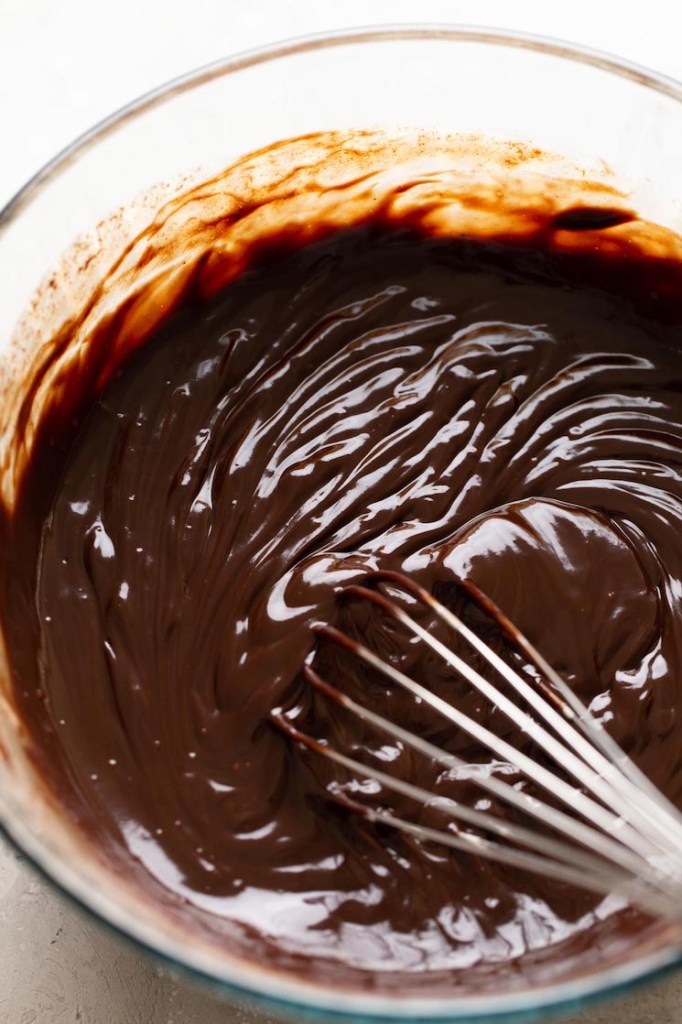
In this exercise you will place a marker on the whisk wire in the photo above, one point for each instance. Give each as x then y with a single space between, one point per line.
561 694
600 775
616 769
456 811
570 826
615 824
630 840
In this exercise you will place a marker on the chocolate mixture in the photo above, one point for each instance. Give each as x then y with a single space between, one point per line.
379 399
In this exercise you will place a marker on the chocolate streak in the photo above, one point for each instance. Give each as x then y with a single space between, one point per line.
379 399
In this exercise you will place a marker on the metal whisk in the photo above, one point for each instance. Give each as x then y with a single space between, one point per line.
617 833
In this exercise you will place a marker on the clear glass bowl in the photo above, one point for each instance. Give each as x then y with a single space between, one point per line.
610 118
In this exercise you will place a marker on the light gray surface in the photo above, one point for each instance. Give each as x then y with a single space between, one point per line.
56 79
59 967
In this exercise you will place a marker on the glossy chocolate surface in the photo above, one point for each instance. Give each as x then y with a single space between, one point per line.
377 399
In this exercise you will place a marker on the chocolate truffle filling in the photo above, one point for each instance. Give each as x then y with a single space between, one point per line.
376 399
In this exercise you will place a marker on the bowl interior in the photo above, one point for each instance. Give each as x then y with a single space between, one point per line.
140 195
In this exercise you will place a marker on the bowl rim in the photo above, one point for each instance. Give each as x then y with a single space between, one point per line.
242 980
435 31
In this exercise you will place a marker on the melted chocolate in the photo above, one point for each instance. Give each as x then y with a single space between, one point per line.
379 399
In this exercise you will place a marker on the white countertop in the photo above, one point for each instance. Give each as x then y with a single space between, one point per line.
63 66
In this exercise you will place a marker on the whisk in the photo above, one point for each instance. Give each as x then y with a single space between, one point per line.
608 829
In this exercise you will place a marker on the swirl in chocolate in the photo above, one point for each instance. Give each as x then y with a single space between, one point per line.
379 398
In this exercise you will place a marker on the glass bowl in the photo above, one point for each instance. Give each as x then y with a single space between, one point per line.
610 121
